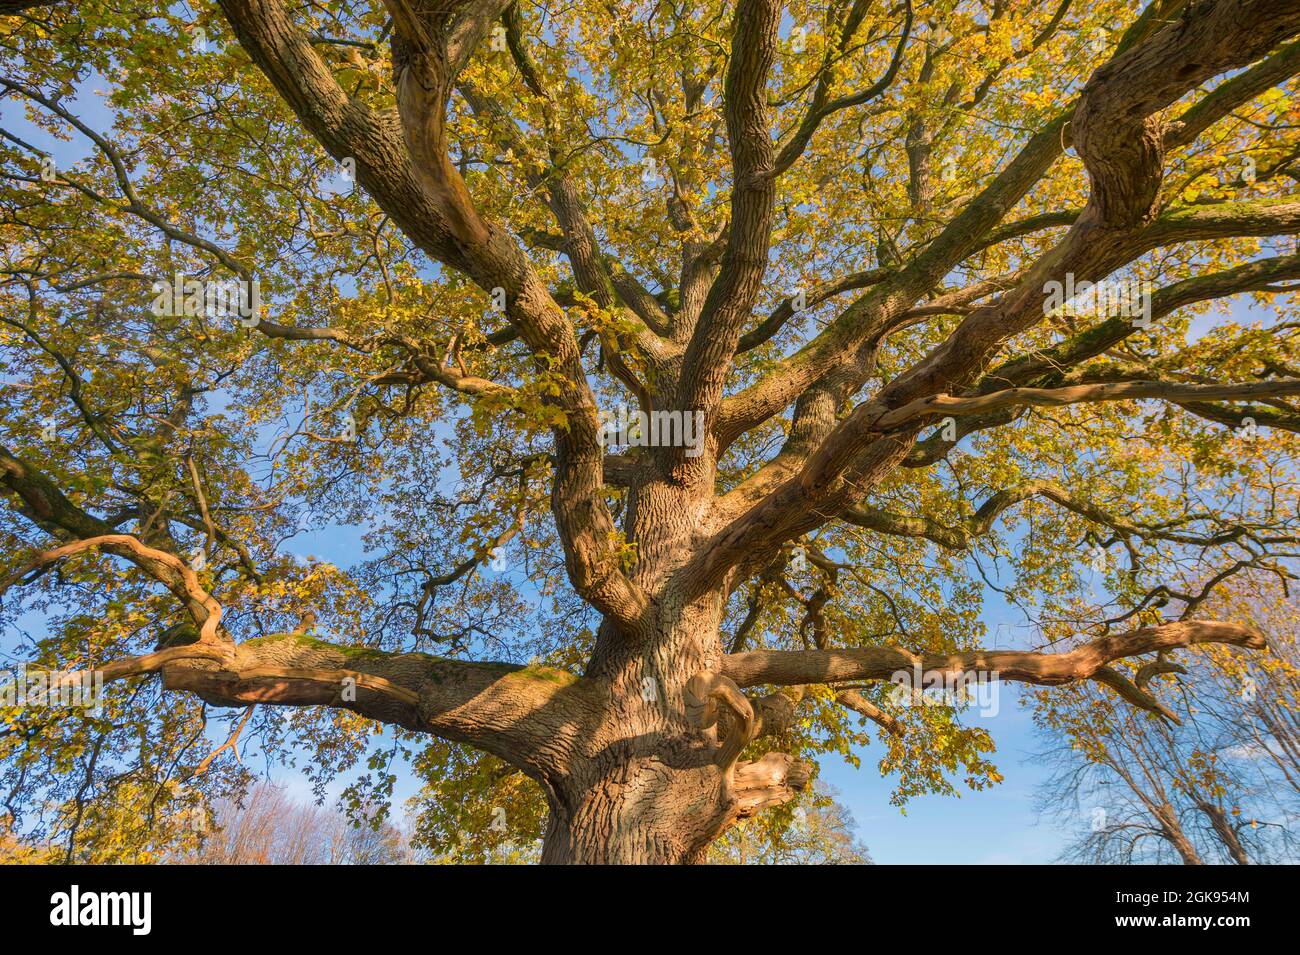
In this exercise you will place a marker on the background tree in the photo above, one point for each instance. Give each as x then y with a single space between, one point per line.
264 826
1208 783
477 229
269 827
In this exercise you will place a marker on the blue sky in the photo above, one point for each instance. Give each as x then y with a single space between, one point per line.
997 826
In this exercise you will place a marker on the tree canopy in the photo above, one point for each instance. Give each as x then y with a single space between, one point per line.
968 303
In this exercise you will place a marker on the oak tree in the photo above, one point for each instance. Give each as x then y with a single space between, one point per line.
677 373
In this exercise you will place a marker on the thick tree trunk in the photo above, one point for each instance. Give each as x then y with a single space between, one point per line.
654 784
643 810
661 809
648 788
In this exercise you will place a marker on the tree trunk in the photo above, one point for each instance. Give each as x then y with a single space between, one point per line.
1175 836
643 810
658 782
1223 828
648 788
651 800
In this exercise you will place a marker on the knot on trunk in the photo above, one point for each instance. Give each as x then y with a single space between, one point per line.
705 692
775 779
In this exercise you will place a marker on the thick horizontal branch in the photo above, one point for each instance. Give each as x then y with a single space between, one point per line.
1107 391
794 667
1237 416
532 717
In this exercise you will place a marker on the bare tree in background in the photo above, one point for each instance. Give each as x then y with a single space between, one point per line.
1208 780
270 827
